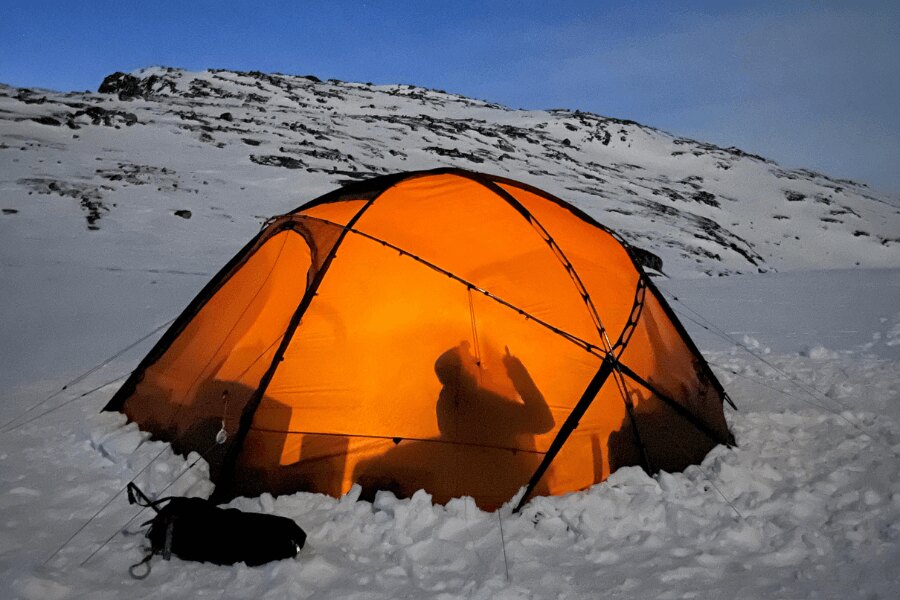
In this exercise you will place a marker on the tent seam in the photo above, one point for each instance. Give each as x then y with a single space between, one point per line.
587 346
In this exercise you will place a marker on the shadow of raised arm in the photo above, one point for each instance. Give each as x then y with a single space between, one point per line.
536 417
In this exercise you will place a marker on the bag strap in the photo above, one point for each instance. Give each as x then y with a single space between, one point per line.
167 547
133 568
136 496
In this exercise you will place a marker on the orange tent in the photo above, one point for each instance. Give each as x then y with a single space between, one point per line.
442 330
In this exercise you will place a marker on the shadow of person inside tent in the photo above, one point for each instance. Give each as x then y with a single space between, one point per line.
671 442
487 418
471 411
485 449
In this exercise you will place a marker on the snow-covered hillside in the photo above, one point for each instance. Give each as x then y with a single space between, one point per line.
235 148
118 206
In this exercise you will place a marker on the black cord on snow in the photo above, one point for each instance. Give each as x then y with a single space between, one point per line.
132 570
64 404
170 484
101 509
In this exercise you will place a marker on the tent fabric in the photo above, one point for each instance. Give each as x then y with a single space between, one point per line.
436 330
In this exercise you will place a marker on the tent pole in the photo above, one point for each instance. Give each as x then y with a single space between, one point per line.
224 487
606 368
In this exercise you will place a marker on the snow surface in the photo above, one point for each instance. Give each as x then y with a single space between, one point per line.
806 506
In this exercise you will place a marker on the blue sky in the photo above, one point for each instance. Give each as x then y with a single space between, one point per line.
808 84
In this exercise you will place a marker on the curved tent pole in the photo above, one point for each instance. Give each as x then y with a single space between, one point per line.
588 346
223 487
371 189
571 422
592 312
609 365
707 370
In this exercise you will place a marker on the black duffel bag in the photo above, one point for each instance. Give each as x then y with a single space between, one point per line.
196 529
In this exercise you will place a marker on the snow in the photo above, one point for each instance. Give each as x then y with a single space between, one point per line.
807 504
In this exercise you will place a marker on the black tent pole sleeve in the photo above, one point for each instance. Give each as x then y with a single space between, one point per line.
224 487
606 368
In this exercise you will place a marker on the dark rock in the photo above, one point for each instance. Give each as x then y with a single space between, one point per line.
706 198
226 116
669 192
9 211
94 208
454 153
273 160
647 259
184 213
794 196
128 87
47 121
741 154
27 96
101 116
257 98
125 85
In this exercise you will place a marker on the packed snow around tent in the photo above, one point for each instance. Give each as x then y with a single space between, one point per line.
107 235
807 505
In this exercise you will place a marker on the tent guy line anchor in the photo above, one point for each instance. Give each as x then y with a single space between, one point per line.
119 493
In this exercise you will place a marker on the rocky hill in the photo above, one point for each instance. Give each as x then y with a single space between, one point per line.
207 156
